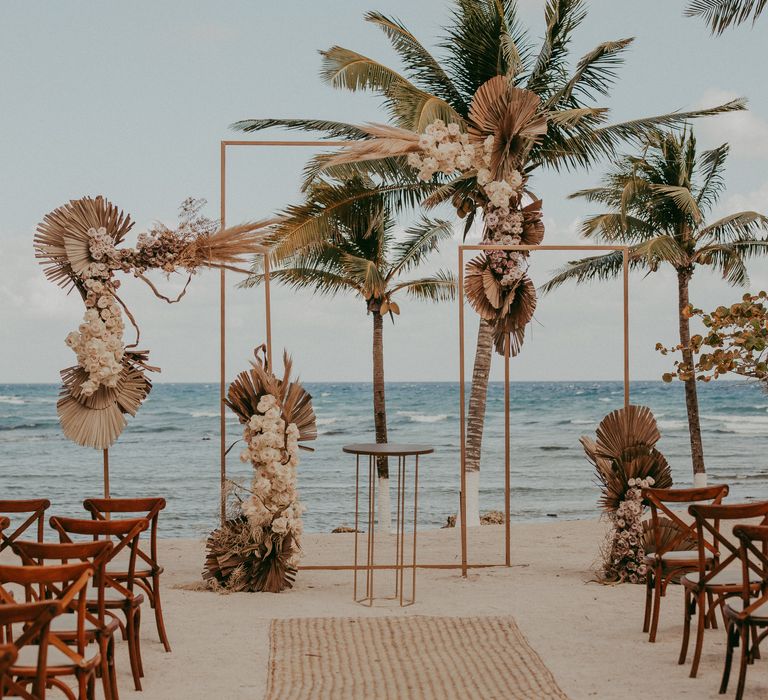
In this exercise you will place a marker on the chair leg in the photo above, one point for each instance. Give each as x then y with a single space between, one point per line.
656 606
743 663
731 641
701 615
648 600
157 605
711 620
132 647
688 605
755 644
138 641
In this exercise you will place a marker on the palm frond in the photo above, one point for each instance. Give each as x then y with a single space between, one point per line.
421 239
346 69
712 164
721 14
596 267
734 227
331 129
660 249
682 197
438 287
729 258
615 227
421 66
301 277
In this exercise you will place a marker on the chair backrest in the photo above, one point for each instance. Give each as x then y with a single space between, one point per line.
34 508
659 500
96 553
708 520
70 581
126 533
34 620
753 553
147 508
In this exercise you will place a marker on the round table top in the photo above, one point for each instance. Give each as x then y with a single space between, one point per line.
387 449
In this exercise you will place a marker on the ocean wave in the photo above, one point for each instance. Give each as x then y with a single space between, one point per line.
744 428
553 448
729 418
578 421
672 424
15 400
416 417
325 421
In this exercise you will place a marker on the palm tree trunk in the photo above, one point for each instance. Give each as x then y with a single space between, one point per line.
384 505
691 396
476 419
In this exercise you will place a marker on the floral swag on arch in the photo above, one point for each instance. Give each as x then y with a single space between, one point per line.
78 245
258 548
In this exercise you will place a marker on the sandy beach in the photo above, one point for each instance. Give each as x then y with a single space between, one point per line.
589 635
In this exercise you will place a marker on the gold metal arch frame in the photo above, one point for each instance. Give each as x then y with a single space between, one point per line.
462 418
465 564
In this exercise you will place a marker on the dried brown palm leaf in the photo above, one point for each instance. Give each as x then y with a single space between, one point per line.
482 288
533 226
668 534
240 558
516 313
626 427
64 232
89 427
383 142
509 114
295 402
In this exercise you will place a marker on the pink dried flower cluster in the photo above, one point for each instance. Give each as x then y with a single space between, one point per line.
626 552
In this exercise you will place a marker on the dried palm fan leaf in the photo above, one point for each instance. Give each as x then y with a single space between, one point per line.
89 427
518 310
61 241
636 462
483 290
625 427
509 114
533 226
295 402
237 561
668 534
383 142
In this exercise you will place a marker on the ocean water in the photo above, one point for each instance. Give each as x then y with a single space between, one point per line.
172 447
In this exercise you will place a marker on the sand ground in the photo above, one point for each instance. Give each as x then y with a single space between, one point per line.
588 634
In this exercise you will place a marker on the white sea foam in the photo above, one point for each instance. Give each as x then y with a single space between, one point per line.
416 417
672 424
325 421
579 421
15 400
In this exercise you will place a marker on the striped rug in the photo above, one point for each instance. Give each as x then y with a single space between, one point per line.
399 658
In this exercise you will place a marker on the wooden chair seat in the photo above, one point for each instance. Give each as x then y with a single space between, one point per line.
735 606
114 600
689 557
63 624
59 664
728 580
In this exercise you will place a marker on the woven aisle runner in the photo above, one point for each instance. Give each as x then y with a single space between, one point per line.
397 658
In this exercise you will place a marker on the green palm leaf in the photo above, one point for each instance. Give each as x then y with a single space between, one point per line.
438 287
734 227
721 14
420 240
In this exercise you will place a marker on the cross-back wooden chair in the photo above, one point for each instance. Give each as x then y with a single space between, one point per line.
747 615
675 555
148 569
98 627
43 658
706 588
119 595
35 619
34 507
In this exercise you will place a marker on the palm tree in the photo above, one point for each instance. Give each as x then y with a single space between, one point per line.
657 204
363 256
484 39
721 14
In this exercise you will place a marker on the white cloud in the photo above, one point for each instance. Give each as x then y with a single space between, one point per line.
746 132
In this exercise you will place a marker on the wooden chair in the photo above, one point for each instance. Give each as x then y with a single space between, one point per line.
98 628
148 570
36 508
119 595
43 658
747 616
714 580
8 654
671 559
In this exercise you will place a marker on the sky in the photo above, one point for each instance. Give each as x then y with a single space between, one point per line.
131 100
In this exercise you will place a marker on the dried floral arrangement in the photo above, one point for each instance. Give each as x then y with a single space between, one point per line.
485 157
78 246
626 461
735 341
258 548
